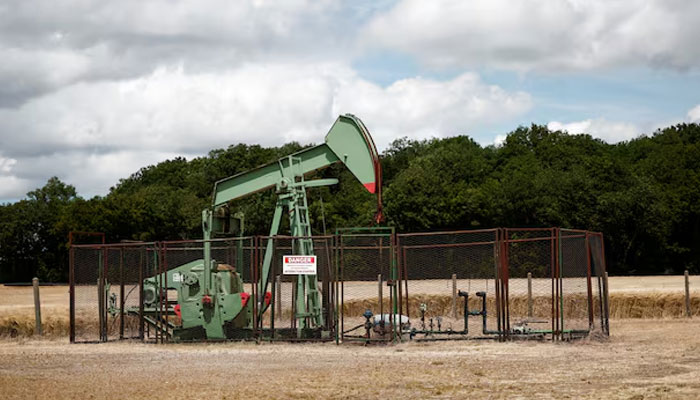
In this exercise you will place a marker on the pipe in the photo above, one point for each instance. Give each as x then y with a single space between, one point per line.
485 330
466 311
484 315
483 311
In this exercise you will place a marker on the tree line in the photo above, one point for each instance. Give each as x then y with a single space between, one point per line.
643 194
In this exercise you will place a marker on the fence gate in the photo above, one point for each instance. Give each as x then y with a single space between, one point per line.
106 293
281 319
532 291
449 281
370 285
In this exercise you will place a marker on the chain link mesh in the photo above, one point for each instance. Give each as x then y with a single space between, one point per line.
279 320
551 282
106 281
530 258
598 283
366 284
442 270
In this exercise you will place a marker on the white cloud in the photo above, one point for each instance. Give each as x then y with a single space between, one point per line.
91 91
616 131
6 164
420 108
542 34
90 172
694 114
24 72
610 131
48 46
12 187
499 140
91 134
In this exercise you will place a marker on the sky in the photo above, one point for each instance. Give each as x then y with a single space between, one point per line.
91 91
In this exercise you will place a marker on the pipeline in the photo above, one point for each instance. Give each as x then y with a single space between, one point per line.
484 329
466 313
488 334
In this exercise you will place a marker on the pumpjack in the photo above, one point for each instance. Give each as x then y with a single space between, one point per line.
211 301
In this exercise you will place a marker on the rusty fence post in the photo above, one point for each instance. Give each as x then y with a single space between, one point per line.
279 296
380 295
607 297
529 294
454 296
71 291
687 294
37 307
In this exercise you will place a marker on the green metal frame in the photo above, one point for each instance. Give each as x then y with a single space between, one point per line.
347 142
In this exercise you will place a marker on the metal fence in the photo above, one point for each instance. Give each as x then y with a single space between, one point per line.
281 319
369 285
449 277
372 285
549 276
106 289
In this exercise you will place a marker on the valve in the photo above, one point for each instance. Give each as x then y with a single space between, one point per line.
368 324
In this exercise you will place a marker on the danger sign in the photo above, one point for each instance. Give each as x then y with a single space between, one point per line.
299 265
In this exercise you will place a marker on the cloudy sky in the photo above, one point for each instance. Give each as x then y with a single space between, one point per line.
91 91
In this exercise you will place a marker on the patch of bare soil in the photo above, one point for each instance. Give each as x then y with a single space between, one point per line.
644 359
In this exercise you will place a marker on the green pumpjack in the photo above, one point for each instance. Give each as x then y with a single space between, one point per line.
211 303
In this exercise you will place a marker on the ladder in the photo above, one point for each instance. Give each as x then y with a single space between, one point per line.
308 298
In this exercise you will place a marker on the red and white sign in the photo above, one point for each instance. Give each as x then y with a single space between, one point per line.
299 265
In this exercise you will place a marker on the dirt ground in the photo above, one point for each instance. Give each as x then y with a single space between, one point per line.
643 359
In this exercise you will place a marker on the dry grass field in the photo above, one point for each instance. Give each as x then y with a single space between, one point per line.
630 297
643 359
54 299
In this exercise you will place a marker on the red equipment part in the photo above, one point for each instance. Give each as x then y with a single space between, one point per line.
244 298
